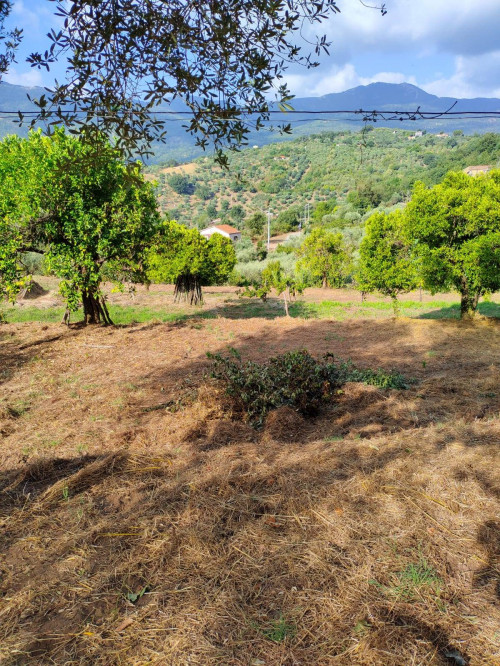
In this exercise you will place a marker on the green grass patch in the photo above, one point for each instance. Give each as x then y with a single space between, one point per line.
120 314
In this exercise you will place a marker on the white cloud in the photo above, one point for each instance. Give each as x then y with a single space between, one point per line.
29 78
477 76
458 27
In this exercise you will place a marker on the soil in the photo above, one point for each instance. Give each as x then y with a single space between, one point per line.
144 521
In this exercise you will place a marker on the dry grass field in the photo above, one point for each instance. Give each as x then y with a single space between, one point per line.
143 521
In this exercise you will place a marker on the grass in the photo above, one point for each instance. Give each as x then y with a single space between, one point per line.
234 308
365 535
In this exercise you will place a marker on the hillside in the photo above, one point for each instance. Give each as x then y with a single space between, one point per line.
355 171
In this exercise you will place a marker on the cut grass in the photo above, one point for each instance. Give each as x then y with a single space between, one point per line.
132 534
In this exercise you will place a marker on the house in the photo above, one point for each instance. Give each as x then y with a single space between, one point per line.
224 230
442 135
475 170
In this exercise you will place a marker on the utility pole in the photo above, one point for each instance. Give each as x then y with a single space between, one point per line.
268 229
307 216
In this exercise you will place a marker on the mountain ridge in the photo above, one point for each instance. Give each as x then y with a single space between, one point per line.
377 96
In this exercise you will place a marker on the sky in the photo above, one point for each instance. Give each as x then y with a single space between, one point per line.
450 48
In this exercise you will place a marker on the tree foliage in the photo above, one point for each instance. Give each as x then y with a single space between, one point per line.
455 227
185 258
80 207
325 257
274 276
386 263
220 59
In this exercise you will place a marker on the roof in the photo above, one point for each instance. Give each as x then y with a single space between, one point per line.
223 227
480 167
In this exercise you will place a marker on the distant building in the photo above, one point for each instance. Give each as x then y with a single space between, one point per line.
224 230
442 135
475 170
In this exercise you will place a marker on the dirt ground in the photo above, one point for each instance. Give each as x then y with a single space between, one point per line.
143 522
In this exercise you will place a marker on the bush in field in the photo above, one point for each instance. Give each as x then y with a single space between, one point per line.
295 379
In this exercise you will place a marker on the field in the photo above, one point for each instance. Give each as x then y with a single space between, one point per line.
144 521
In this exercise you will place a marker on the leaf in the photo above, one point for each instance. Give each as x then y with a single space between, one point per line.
135 596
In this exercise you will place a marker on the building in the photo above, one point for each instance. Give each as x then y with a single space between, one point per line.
475 170
224 230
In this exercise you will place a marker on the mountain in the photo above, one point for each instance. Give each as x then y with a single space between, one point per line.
386 97
392 96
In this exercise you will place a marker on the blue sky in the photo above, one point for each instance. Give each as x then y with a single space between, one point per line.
447 47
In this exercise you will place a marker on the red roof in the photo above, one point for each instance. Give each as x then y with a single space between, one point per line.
226 228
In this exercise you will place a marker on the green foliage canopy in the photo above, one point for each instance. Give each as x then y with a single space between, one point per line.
221 59
78 205
184 257
324 255
386 263
455 227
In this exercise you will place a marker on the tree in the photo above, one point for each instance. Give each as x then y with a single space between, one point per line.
323 208
221 59
180 184
80 207
255 224
184 257
274 277
324 255
386 263
455 227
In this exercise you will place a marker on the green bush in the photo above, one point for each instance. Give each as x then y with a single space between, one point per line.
295 379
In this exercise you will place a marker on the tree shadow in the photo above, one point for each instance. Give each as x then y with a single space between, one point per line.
491 310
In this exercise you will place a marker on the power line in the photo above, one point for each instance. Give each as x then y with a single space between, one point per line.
393 115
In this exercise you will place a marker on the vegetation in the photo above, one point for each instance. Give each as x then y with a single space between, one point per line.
386 261
273 276
322 170
78 206
220 61
184 257
455 227
325 257
294 379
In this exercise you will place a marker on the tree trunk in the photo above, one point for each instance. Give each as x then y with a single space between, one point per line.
468 305
188 290
325 283
395 306
94 309
286 296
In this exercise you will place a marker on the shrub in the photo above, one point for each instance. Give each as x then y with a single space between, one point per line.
295 379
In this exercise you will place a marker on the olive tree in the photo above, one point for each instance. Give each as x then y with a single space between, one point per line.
125 58
79 206
455 228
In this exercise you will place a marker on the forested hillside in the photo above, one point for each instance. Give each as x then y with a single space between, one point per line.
352 173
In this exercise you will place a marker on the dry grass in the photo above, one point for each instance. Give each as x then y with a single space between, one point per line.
142 522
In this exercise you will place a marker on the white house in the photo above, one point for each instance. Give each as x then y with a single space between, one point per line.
224 230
